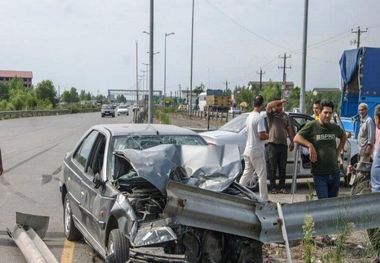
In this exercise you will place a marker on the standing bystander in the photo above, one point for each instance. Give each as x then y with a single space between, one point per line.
254 153
319 136
279 130
366 137
375 170
316 109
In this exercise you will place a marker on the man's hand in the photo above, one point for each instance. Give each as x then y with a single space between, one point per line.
1 169
368 150
313 153
283 101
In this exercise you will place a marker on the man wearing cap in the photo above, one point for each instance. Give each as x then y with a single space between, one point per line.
279 131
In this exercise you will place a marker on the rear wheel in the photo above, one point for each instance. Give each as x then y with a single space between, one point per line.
117 247
71 232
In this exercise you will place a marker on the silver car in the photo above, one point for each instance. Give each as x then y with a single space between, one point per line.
234 132
153 193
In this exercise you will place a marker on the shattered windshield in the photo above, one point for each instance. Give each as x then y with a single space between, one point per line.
236 124
144 142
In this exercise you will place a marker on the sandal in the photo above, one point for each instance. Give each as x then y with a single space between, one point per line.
284 191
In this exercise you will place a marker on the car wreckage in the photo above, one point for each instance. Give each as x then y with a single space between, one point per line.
180 203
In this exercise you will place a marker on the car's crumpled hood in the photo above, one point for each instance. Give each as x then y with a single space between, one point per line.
208 167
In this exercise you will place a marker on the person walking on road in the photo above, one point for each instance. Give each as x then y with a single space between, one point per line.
254 153
366 137
279 131
319 136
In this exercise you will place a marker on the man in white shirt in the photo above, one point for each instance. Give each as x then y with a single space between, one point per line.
254 153
366 137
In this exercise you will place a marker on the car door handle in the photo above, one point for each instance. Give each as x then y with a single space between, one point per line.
82 194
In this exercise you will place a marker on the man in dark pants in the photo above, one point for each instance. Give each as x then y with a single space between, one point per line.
279 131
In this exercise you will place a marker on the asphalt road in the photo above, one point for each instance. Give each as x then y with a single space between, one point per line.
33 150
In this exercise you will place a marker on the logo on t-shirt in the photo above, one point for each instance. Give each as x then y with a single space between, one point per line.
325 137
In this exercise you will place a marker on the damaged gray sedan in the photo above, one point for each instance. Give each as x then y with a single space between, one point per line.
158 193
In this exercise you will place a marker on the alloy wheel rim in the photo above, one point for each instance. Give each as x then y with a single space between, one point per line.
67 217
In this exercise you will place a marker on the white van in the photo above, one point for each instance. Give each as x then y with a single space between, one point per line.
202 99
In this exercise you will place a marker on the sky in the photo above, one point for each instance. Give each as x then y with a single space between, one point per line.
91 44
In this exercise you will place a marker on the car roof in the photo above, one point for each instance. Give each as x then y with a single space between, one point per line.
143 129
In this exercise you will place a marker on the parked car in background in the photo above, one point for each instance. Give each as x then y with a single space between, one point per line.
107 110
122 110
119 190
234 132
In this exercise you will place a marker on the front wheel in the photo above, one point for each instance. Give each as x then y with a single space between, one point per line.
117 247
71 232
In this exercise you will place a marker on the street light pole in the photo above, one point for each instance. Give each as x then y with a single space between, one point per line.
191 62
151 55
304 48
166 35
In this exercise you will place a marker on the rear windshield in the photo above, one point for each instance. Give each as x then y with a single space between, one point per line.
236 124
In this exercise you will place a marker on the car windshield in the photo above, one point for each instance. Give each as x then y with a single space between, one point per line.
144 142
107 107
123 107
235 125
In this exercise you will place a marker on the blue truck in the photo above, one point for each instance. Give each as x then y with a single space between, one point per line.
360 73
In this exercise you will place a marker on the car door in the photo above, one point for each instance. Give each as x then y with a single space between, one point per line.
297 122
76 172
94 198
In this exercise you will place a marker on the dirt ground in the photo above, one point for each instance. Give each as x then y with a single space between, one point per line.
357 247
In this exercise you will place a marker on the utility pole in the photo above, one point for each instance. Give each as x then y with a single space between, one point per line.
137 74
151 55
166 35
358 32
284 67
180 91
227 85
304 49
261 78
191 62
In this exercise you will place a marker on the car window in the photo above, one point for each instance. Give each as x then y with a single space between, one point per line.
236 124
84 150
96 163
299 121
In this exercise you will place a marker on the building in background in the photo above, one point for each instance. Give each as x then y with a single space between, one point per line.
7 75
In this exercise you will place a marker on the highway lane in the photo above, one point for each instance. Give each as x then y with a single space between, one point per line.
33 150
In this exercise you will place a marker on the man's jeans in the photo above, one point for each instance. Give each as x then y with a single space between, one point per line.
327 185
278 155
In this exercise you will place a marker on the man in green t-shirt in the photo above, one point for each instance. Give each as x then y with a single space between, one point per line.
319 136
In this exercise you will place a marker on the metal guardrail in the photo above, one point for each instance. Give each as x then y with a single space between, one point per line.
35 113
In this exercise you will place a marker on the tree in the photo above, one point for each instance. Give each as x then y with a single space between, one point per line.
271 92
4 92
45 90
84 96
121 98
70 96
199 89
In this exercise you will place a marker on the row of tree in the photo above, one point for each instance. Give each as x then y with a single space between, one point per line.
272 91
14 96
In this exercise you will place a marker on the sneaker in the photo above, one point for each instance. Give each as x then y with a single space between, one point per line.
274 191
284 191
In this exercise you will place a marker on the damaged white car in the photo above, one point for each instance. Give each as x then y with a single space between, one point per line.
158 193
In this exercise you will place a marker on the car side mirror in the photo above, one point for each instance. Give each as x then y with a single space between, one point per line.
348 134
97 181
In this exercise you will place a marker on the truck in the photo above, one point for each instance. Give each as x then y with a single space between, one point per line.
214 100
360 74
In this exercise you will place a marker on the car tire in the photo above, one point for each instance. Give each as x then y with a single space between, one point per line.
102 115
69 228
113 115
117 247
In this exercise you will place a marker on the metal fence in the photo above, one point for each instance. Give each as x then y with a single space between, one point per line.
35 113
